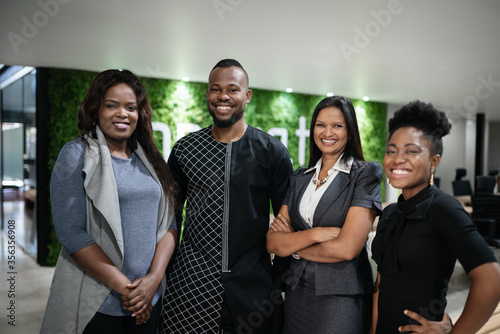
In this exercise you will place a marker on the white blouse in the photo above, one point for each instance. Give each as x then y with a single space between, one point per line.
312 196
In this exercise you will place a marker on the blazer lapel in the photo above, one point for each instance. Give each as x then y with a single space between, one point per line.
300 188
331 194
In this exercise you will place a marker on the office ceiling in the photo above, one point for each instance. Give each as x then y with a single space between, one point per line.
446 52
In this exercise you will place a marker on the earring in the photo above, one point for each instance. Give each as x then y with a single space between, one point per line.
388 181
431 180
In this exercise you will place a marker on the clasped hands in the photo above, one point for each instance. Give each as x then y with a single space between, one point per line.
136 297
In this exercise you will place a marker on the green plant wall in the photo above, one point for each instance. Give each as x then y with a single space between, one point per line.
176 102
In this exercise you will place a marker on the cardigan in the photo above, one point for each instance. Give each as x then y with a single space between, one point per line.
75 296
360 187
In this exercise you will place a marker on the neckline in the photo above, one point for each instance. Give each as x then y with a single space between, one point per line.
234 140
120 158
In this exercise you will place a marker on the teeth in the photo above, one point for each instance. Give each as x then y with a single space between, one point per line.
121 125
329 141
400 171
223 107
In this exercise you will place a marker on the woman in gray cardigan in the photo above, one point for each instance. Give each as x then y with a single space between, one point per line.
111 194
324 223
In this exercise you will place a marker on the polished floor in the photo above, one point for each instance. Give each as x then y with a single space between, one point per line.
24 288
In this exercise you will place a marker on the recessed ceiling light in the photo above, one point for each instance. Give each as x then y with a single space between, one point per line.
366 98
329 94
185 78
289 90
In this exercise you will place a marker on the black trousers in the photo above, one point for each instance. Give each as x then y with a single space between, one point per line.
108 324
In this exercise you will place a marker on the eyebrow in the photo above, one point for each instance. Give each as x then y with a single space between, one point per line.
114 101
230 85
318 120
406 145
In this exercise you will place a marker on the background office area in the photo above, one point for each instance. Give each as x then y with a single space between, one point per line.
381 54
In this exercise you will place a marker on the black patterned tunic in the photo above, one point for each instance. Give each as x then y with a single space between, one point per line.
227 189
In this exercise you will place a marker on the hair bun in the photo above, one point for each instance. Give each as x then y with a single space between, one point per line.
422 116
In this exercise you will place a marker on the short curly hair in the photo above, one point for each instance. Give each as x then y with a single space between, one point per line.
423 116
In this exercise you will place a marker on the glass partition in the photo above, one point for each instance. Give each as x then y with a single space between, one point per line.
18 156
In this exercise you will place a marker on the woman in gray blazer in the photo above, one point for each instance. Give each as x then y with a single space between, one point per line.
324 223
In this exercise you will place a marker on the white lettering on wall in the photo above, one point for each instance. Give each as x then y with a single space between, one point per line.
167 137
302 133
185 128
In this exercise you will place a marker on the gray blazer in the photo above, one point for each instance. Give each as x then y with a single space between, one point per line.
360 187
75 296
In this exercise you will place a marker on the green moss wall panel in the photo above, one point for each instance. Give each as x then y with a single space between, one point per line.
177 102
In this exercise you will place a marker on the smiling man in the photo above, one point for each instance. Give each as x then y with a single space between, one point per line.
222 279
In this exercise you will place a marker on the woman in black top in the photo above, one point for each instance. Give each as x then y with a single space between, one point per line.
420 237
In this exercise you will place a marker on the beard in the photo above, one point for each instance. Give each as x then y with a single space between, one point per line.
226 123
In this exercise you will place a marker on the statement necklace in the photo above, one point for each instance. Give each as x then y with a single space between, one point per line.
320 182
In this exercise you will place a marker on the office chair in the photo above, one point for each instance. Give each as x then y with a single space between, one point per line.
485 184
461 187
486 216
460 172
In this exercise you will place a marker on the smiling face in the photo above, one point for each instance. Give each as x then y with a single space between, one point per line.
330 132
408 160
227 95
118 115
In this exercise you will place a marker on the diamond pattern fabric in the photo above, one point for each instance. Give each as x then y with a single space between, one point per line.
195 282
228 189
